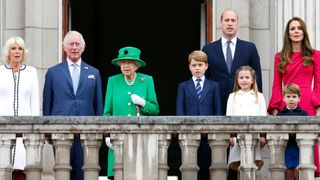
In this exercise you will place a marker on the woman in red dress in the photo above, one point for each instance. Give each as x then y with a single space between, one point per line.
297 63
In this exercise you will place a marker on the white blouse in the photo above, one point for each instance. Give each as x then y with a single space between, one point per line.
244 104
19 92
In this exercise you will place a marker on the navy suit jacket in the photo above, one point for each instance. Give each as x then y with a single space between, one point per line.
58 96
188 102
245 54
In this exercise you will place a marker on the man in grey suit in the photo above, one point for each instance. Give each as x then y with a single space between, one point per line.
226 55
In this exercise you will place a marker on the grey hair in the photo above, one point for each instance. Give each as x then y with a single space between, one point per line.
67 36
9 43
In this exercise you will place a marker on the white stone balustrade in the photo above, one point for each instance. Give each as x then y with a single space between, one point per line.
91 144
306 144
62 143
33 143
248 143
218 144
277 144
6 143
189 144
141 144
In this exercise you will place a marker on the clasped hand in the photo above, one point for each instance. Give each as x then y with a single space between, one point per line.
138 100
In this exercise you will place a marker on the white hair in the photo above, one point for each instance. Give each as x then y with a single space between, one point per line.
9 43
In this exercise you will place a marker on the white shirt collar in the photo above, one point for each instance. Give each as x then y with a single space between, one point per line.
292 108
195 78
224 41
78 63
245 92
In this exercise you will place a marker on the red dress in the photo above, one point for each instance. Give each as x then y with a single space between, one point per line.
302 76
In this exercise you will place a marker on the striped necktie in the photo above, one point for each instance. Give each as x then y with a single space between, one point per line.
198 88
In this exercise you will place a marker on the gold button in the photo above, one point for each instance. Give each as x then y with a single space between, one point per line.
129 104
129 93
129 114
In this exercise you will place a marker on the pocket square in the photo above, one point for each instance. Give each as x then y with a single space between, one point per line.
91 77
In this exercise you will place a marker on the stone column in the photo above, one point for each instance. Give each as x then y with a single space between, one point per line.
62 144
189 144
6 143
91 144
117 143
306 166
219 144
277 144
163 143
248 143
33 143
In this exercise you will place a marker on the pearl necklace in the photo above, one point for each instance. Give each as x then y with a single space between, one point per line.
130 82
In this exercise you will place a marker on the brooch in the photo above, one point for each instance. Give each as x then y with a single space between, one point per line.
142 79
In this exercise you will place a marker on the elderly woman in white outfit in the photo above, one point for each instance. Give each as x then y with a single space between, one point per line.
19 90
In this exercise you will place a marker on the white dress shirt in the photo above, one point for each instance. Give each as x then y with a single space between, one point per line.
232 46
70 63
201 82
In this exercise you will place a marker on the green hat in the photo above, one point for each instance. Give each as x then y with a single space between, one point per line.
129 53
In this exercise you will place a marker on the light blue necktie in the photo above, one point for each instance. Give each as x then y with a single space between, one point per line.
229 56
198 88
75 78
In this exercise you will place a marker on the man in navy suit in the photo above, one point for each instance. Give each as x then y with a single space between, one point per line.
243 53
239 52
199 96
73 88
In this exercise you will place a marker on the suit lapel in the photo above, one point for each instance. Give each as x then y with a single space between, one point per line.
83 74
204 89
192 89
237 55
221 58
65 70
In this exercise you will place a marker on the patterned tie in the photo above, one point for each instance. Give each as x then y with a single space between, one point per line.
228 56
198 88
75 78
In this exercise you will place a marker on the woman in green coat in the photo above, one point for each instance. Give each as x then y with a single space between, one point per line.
129 93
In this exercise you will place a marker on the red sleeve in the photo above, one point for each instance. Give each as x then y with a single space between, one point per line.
315 98
276 97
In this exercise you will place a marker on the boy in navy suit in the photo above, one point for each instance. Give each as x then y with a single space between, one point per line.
207 101
199 96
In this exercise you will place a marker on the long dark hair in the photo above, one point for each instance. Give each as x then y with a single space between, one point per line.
286 50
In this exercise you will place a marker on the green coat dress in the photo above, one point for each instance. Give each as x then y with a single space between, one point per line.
118 101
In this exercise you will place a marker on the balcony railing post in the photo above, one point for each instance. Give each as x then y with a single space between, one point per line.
91 144
62 144
163 143
189 144
277 144
219 144
117 143
33 143
248 143
6 144
306 166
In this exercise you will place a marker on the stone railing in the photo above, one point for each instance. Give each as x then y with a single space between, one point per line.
141 144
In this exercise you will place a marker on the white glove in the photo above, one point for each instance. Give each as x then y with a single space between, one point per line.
108 143
138 100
